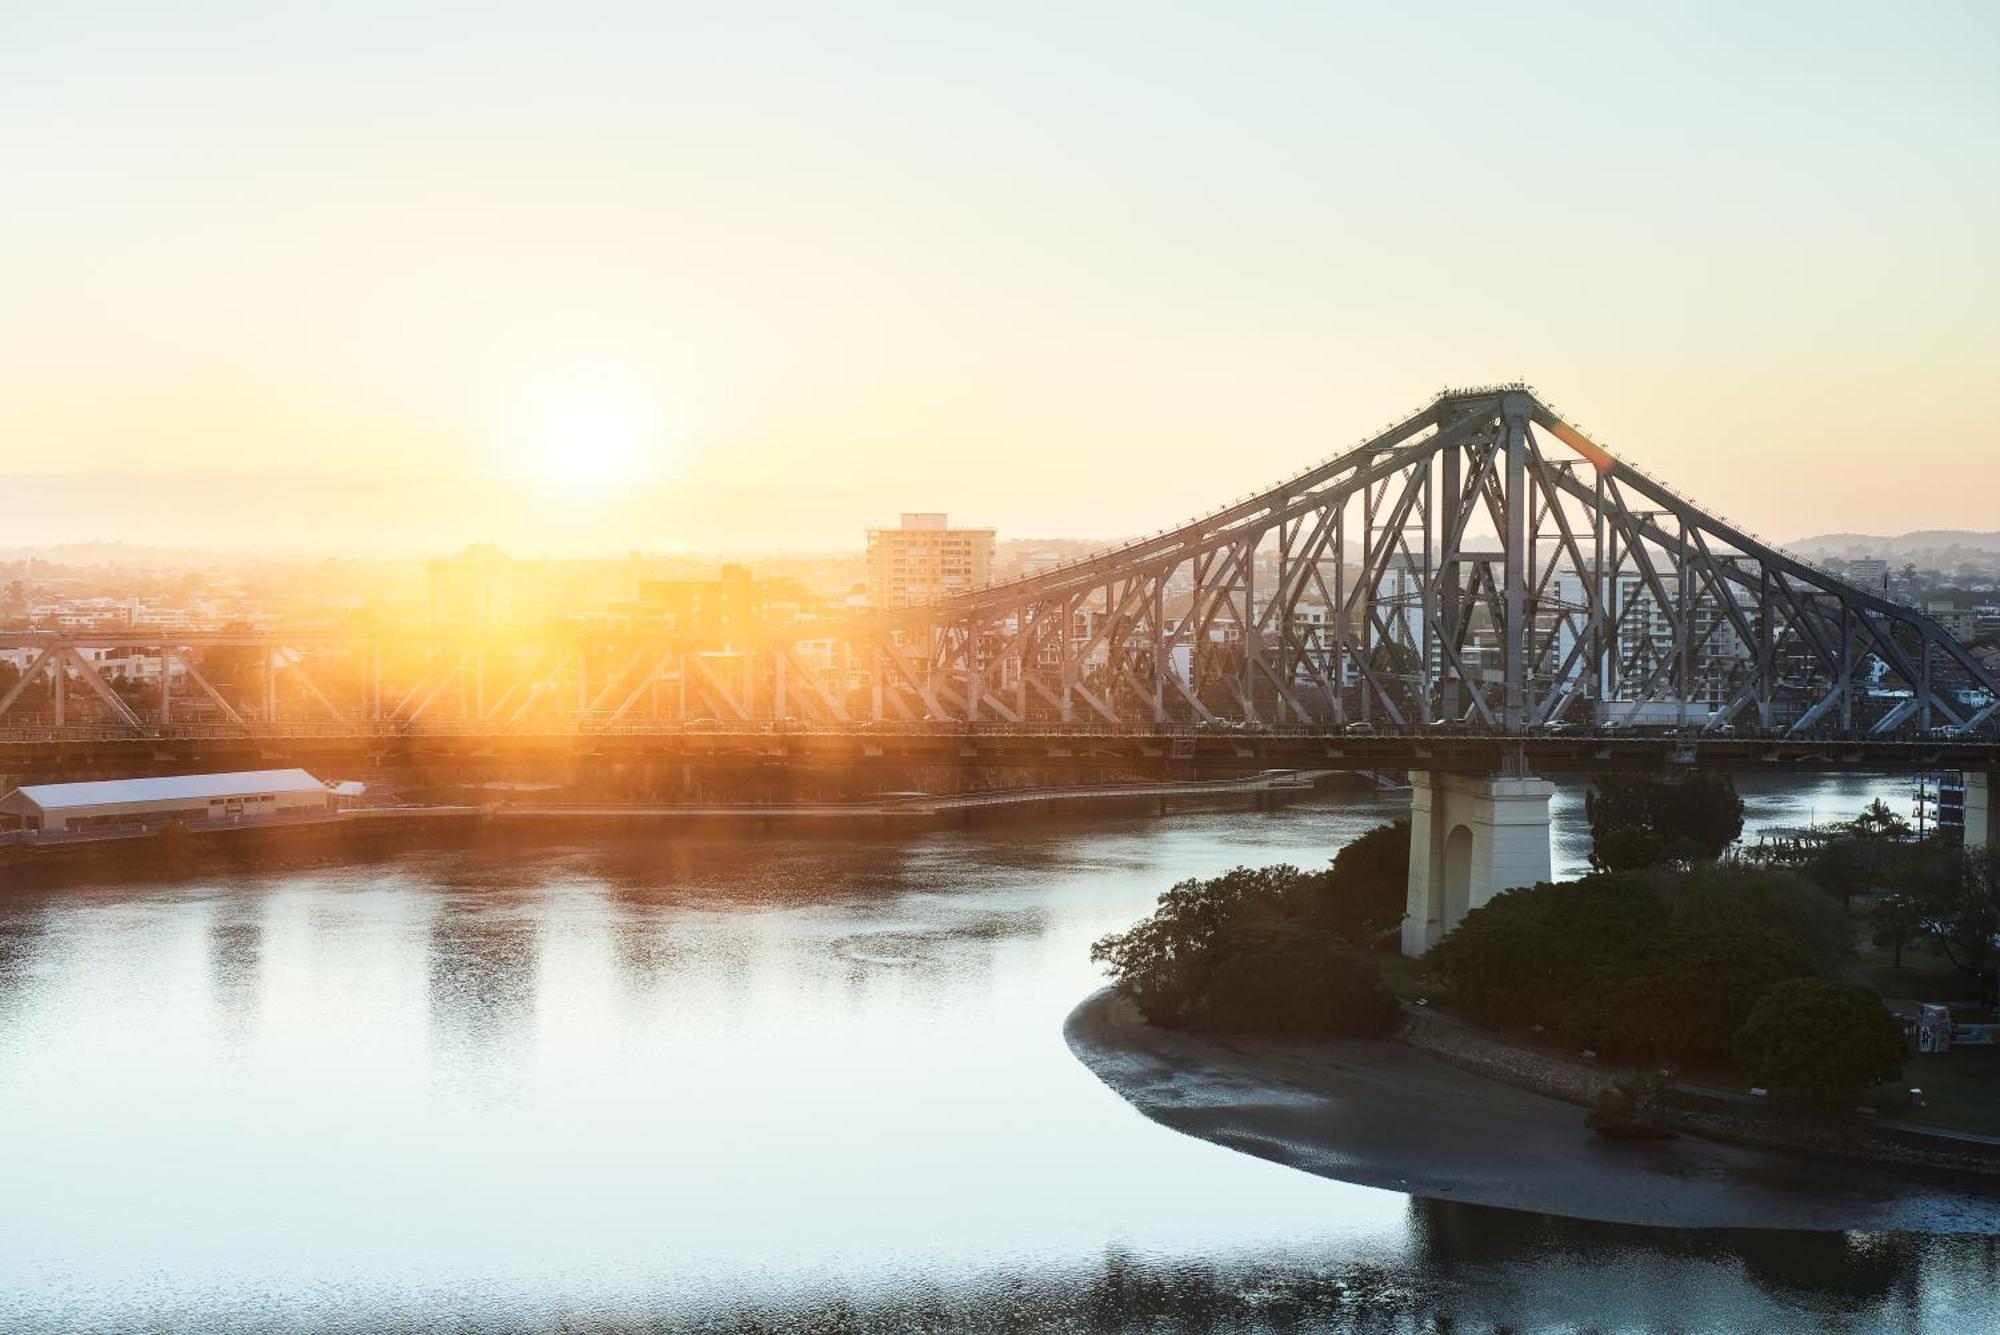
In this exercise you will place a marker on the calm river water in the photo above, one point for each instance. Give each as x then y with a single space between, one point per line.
772 1082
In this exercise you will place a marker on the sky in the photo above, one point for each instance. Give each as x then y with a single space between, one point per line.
382 278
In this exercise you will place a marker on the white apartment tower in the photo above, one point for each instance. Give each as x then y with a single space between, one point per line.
926 558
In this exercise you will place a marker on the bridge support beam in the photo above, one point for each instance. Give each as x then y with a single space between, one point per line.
1982 809
1470 838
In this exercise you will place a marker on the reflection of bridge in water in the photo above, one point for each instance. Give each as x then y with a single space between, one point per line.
1480 592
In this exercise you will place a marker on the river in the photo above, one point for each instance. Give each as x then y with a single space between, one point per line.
780 1081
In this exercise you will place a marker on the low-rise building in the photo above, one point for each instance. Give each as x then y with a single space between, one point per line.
68 808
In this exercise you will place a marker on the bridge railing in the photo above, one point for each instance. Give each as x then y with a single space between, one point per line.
1053 732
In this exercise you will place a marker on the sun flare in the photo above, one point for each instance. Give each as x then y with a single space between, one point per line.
591 440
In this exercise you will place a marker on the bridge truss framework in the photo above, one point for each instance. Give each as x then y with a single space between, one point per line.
1480 563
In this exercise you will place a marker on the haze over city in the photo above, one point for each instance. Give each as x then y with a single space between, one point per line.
754 277
782 667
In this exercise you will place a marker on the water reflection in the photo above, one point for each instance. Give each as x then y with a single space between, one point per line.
235 953
23 928
481 968
1843 1280
769 1083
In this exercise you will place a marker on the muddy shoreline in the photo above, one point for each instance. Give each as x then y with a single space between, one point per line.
1383 1114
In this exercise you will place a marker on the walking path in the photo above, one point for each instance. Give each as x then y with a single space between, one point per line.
1387 1115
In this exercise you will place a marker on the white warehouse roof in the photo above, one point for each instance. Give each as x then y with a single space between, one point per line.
182 787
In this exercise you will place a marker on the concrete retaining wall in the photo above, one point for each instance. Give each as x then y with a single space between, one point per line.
1463 1045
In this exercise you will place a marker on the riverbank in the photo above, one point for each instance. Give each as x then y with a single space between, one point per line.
366 832
1385 1114
1706 1110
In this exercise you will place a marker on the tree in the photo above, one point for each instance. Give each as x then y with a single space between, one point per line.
1760 899
1639 966
1274 979
1879 821
1623 833
1637 820
1161 962
1369 886
1959 891
1702 809
1252 949
1821 1039
1898 919
1847 867
1551 955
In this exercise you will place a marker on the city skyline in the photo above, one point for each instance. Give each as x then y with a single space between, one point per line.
877 667
659 279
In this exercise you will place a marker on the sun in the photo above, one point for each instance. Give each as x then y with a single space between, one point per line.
590 439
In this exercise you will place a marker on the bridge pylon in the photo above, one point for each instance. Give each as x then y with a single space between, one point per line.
1982 809
1471 837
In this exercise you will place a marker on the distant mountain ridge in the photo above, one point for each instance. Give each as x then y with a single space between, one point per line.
1900 545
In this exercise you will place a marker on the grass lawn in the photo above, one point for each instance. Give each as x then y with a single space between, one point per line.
1961 1091
1924 977
1406 978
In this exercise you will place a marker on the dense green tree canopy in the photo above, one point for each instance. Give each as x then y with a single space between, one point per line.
1637 820
1959 891
1268 949
1638 966
1852 866
1821 1039
1370 882
1897 920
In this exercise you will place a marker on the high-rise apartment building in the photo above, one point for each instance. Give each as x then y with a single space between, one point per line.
926 558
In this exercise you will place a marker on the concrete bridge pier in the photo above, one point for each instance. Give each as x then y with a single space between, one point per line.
1471 838
1982 809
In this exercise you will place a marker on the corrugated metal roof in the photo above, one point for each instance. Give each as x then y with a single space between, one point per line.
109 792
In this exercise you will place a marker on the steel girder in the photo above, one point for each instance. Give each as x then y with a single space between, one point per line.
1480 561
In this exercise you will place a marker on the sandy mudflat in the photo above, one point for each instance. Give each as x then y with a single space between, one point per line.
1386 1115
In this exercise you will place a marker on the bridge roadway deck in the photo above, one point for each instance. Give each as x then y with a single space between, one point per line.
1168 753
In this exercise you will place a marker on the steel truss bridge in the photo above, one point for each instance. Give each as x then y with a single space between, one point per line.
1480 573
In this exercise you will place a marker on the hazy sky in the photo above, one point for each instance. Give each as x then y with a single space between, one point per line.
769 274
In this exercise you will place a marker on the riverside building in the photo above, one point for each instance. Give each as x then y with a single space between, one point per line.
187 799
927 558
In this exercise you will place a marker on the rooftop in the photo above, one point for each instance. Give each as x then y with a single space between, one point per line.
104 792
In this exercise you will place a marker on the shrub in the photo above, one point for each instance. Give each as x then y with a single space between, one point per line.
1624 1102
1821 1039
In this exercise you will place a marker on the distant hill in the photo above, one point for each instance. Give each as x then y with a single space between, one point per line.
1902 545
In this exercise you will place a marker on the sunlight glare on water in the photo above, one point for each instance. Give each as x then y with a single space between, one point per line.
767 1080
